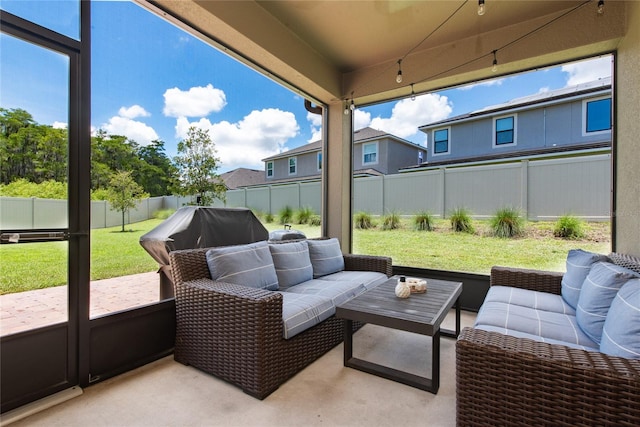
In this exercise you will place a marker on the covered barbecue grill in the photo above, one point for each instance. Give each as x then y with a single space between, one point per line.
199 227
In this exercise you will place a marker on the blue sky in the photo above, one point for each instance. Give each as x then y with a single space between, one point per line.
151 80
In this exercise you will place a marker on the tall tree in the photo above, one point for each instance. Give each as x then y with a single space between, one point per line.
157 174
197 164
124 192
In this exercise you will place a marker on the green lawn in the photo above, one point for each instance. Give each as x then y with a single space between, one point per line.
113 253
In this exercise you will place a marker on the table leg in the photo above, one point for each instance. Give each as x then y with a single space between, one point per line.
453 333
435 362
348 340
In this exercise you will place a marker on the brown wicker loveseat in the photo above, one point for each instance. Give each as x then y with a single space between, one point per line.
236 332
504 380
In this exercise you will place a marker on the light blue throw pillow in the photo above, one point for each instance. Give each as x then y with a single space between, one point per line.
579 263
292 263
326 256
249 265
599 289
621 332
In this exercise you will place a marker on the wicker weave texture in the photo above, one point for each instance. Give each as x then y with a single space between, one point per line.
508 381
235 332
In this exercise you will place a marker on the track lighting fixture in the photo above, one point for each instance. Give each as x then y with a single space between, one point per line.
600 7
494 68
481 7
399 75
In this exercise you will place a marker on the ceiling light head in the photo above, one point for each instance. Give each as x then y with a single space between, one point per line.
494 68
481 8
413 94
346 108
399 75
600 7
352 106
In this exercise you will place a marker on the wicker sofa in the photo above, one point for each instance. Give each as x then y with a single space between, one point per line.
504 379
235 332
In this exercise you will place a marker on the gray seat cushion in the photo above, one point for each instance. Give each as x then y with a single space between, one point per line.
579 264
621 331
301 312
370 279
249 265
599 289
546 324
326 256
528 298
533 337
337 292
292 263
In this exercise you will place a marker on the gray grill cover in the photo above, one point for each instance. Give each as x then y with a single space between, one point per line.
202 227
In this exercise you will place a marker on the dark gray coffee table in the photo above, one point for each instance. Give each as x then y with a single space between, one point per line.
420 313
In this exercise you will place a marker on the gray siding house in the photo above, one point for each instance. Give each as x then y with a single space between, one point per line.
568 119
374 153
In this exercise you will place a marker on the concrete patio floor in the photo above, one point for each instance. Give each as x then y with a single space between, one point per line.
32 309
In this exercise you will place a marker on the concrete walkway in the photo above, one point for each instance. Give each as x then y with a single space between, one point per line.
27 310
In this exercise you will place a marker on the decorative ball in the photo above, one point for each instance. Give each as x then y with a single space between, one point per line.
403 290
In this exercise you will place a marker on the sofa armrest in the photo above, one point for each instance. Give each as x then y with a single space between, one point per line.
228 330
536 280
503 380
380 264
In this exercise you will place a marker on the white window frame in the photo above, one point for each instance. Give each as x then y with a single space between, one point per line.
433 142
269 169
515 131
377 152
319 161
584 116
295 165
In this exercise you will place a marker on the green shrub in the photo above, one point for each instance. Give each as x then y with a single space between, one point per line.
461 221
304 214
315 220
285 215
569 227
268 218
363 221
163 213
507 222
391 221
423 221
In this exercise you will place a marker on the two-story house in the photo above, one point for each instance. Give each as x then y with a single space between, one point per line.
568 119
374 153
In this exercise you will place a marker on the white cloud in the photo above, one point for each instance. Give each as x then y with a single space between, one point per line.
258 135
361 119
133 112
407 115
544 89
315 123
587 71
59 125
123 124
196 102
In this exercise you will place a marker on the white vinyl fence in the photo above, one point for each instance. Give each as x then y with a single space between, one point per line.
543 189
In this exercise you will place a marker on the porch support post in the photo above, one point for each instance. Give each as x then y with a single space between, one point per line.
337 173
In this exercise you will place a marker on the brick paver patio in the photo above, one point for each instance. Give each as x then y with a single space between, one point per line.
27 310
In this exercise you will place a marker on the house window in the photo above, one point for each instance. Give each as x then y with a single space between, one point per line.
319 161
293 165
269 169
420 157
370 153
596 115
504 130
441 141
